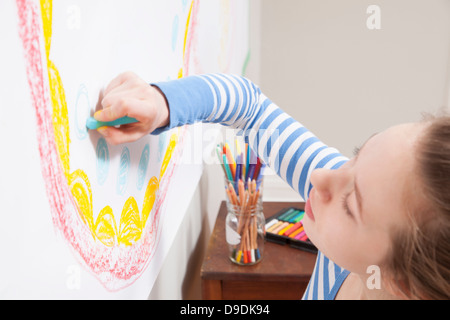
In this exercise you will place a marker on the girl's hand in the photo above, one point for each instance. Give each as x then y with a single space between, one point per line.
129 95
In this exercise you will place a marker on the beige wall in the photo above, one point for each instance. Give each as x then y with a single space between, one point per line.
319 62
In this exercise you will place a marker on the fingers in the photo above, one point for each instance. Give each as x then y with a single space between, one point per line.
128 95
119 80
117 107
130 132
115 136
119 98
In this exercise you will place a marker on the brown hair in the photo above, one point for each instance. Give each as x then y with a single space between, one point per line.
420 256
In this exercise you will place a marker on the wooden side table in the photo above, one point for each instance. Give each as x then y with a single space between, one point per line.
283 273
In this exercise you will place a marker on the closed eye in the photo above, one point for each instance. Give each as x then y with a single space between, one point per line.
345 205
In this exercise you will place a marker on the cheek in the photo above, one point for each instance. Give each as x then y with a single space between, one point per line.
350 246
329 230
374 247
334 236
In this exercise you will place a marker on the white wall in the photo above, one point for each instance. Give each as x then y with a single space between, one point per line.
319 62
179 277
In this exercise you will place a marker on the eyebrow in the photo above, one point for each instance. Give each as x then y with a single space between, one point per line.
358 149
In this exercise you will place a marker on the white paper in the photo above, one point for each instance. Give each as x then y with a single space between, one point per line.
54 245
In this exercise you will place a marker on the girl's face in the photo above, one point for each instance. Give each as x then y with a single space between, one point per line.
353 209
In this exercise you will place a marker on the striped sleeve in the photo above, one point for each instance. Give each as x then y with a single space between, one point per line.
284 144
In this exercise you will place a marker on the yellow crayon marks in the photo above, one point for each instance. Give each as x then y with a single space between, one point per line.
168 155
46 12
60 117
130 223
181 72
81 190
57 94
149 199
104 229
187 30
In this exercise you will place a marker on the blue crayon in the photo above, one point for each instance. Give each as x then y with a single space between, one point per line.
257 254
238 174
247 164
297 217
251 171
93 124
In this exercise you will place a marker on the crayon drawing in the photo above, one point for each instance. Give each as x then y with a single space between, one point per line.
115 246
109 203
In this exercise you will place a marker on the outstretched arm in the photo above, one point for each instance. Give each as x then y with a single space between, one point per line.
280 141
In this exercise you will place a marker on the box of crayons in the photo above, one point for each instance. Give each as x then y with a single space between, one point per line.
286 227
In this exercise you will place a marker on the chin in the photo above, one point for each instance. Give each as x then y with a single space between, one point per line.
309 230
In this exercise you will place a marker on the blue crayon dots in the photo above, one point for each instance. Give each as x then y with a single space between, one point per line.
102 154
142 168
122 174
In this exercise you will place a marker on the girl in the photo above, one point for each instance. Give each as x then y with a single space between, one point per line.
386 210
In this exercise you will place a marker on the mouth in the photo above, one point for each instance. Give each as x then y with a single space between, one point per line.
308 209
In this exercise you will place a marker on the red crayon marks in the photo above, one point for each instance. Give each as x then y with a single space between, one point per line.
69 193
29 32
189 36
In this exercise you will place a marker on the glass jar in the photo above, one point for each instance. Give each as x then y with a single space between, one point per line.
245 222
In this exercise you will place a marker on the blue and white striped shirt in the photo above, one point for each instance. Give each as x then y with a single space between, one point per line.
285 145
326 280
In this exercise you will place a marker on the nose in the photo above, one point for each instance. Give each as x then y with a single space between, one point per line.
322 181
